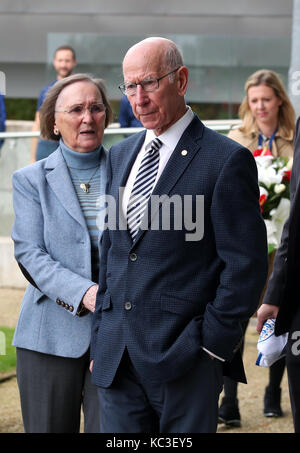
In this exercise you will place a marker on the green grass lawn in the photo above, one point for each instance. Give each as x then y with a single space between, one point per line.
7 351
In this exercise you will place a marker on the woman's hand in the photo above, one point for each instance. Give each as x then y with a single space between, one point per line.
89 299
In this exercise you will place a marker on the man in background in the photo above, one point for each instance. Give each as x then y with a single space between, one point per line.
64 62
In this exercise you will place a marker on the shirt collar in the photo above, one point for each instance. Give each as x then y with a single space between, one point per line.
171 136
280 133
78 160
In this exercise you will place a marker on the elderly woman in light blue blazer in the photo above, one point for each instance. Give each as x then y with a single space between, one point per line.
56 236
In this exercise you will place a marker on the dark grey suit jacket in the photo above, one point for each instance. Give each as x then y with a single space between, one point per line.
163 297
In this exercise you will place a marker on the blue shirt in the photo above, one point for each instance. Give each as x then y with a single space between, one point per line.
126 116
2 117
43 94
45 147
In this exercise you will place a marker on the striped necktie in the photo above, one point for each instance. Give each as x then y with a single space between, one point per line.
142 188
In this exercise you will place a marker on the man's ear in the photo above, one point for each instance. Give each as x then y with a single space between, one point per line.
182 80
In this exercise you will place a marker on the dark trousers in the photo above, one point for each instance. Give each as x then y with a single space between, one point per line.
188 404
52 391
293 369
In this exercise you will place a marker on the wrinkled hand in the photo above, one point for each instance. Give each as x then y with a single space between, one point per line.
89 299
265 312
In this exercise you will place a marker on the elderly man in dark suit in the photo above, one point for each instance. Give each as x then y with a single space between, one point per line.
167 321
281 300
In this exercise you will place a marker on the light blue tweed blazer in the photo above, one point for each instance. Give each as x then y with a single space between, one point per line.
52 244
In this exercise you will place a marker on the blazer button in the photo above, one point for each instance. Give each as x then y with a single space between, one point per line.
58 301
133 256
71 308
128 306
67 306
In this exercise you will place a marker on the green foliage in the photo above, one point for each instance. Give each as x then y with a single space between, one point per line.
115 105
215 111
8 360
20 109
271 248
24 109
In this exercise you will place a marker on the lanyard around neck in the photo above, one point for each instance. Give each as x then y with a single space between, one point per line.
261 140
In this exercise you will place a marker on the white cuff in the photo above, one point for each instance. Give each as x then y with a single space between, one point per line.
214 355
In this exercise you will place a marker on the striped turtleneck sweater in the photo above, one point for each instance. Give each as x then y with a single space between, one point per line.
85 168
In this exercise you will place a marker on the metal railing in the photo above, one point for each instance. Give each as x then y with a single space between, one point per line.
217 125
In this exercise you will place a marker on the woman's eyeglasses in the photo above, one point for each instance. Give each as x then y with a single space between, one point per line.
78 110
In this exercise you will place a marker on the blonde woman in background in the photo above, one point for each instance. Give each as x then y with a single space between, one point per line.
267 114
268 122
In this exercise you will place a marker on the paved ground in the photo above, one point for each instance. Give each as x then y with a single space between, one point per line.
250 395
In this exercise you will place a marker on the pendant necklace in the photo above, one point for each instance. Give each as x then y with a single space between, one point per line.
85 186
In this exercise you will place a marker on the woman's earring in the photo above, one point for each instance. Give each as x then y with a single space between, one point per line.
56 131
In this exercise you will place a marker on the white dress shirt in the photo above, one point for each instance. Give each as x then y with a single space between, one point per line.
169 140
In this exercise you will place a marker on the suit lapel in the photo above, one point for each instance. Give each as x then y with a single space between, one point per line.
131 156
127 165
187 147
181 157
103 181
59 180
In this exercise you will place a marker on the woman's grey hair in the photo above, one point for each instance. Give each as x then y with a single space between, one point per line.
47 111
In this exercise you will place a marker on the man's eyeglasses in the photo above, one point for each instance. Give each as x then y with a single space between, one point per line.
78 110
130 88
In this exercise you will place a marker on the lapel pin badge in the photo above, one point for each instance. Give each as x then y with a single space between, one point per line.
184 152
